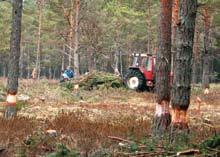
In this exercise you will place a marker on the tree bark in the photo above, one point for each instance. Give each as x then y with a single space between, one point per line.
149 28
4 71
71 22
162 116
76 41
116 54
195 56
175 21
180 95
206 55
38 62
63 60
90 59
28 63
121 64
13 74
21 62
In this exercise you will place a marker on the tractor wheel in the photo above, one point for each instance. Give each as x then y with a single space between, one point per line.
135 80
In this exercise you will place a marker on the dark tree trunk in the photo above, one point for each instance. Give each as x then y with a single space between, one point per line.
50 73
4 71
76 40
175 21
195 57
21 62
180 95
13 73
206 55
149 28
63 60
162 116
90 59
28 63
54 74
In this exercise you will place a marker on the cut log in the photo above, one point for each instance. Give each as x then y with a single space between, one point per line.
188 152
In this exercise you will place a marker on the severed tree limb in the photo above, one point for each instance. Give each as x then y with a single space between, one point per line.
120 139
188 152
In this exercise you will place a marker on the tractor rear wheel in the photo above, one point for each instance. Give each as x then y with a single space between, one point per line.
135 80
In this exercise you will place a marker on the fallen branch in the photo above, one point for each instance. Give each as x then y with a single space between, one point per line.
144 153
212 149
188 152
120 139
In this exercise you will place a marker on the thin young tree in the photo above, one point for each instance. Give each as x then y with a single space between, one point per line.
13 66
180 95
76 39
40 14
149 15
162 116
196 54
71 31
206 55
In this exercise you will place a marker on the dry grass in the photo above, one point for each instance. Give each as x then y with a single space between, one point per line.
85 119
92 134
13 132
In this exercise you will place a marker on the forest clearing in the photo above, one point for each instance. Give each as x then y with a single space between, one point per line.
109 78
85 121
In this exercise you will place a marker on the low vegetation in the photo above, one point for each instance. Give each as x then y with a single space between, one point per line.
94 124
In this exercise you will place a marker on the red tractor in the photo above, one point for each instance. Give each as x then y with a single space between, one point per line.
141 75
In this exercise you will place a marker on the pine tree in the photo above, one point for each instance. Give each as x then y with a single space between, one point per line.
13 74
162 116
180 95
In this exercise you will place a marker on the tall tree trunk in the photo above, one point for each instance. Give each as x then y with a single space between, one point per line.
21 62
4 71
63 59
76 41
206 55
116 63
180 95
162 116
149 28
28 63
90 59
195 56
175 21
54 73
71 21
116 54
50 73
13 74
121 63
40 11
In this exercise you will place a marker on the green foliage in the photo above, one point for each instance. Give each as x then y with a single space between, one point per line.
20 105
133 147
68 85
101 153
98 80
63 151
212 142
150 144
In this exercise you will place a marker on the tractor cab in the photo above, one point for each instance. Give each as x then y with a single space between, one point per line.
141 74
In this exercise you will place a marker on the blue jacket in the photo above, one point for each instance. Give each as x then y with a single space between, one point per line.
69 73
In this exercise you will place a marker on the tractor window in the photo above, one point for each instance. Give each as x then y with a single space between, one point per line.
143 61
148 64
135 61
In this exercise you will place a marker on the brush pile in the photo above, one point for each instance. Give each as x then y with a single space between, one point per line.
97 80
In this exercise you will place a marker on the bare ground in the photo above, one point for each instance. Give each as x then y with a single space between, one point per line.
84 120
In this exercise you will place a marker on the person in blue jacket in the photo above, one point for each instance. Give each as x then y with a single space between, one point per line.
68 74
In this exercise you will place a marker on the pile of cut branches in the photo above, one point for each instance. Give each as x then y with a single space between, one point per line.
97 80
